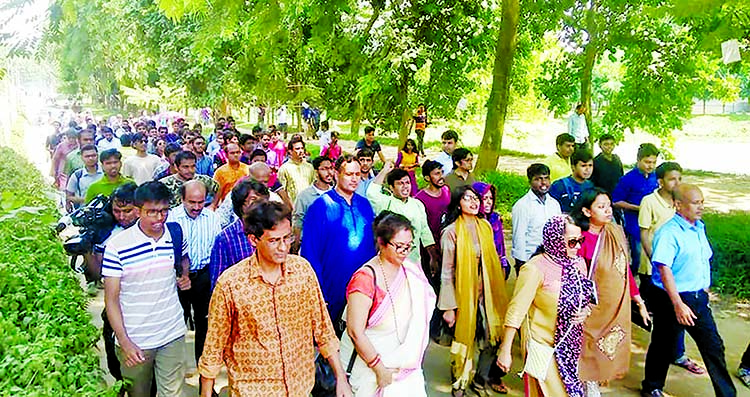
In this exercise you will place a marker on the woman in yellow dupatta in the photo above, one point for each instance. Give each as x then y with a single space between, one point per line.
472 291
606 347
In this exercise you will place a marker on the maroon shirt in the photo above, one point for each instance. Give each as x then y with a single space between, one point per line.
435 207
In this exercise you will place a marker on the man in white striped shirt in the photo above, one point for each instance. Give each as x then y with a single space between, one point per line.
200 227
140 286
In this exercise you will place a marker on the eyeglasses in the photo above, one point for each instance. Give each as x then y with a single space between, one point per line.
287 240
470 198
153 213
403 248
572 243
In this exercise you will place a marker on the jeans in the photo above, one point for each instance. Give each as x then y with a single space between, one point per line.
198 297
166 364
664 342
635 253
745 363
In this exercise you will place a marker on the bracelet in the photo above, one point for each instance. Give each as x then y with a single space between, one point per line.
375 361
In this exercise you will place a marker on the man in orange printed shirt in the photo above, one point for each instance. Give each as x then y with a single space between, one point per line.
231 172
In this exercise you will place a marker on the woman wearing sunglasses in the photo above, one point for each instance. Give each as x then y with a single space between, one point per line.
472 291
606 333
389 306
552 289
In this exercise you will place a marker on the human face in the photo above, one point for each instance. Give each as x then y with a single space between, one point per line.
410 147
258 159
647 164
273 246
298 151
153 215
487 200
86 138
582 171
607 146
90 158
600 212
235 140
233 153
402 188
400 246
125 214
194 201
249 145
691 205
220 139
370 138
111 167
540 184
153 133
348 177
326 173
449 145
186 169
435 179
199 145
141 129
262 176
566 149
572 232
265 140
467 164
140 145
365 164
671 180
469 203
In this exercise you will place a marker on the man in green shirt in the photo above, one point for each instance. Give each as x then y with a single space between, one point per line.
74 160
112 179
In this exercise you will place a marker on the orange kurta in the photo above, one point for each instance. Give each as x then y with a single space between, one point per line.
265 333
226 176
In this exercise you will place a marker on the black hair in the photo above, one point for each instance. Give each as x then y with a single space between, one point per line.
293 141
454 208
319 160
265 215
86 131
198 136
334 134
661 170
585 200
109 153
242 189
647 150
459 155
124 194
581 156
564 138
152 192
137 137
172 147
536 169
324 123
607 137
105 130
365 153
72 133
227 135
345 159
579 106
244 138
88 147
413 145
396 174
429 166
450 134
387 224
369 129
258 152
184 155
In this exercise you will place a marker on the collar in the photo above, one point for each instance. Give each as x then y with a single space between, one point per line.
536 198
254 269
182 213
685 225
661 200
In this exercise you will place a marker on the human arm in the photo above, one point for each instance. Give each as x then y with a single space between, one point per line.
646 242
519 225
220 314
624 205
684 315
183 282
133 355
620 194
447 298
374 194
357 314
313 245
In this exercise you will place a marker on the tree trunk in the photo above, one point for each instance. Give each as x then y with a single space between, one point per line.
357 119
497 106
590 54
403 95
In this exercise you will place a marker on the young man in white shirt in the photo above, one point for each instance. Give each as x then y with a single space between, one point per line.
140 167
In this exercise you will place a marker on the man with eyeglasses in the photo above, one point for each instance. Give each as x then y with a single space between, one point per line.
141 299
463 162
267 314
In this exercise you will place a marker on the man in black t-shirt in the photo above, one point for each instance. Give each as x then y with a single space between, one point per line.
607 165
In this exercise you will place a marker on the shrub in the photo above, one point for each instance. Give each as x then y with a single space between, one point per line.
730 241
47 341
510 187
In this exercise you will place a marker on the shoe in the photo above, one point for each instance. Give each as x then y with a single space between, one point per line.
744 375
479 390
690 365
457 393
652 393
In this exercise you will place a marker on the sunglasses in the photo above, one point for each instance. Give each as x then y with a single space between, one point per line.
572 243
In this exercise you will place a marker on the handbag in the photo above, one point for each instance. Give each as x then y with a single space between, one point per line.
325 379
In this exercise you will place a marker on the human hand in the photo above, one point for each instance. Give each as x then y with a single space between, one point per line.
504 360
434 265
133 354
388 166
342 388
582 315
450 317
684 315
644 313
384 375
183 282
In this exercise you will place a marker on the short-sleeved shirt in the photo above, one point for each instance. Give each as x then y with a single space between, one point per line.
80 180
446 160
455 181
567 191
141 169
151 309
173 183
435 207
654 212
632 188
200 233
685 249
227 176
296 177
606 172
73 161
205 165
361 144
304 199
363 283
105 186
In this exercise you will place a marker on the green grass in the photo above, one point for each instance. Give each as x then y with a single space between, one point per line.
731 245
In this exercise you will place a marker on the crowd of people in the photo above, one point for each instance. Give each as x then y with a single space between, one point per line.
289 266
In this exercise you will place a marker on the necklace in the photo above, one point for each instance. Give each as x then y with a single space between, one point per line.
390 298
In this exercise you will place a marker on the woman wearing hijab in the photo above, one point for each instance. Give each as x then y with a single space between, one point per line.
472 292
552 289
488 194
606 333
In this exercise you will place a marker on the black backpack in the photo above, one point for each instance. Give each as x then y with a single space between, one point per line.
176 232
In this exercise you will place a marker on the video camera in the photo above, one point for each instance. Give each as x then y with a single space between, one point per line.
95 223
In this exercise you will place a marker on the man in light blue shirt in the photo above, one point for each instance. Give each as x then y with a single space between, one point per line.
682 275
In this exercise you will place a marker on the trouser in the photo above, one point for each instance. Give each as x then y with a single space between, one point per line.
165 363
436 321
635 253
646 289
198 298
420 141
664 338
745 363
110 350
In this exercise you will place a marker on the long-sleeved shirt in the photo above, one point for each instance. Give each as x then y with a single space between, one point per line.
296 177
338 239
265 333
200 233
578 128
230 247
412 209
632 188
529 215
305 198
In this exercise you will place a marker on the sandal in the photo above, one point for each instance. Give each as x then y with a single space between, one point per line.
479 390
499 388
744 375
690 366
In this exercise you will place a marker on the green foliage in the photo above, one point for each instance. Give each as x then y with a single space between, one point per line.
731 246
509 186
47 341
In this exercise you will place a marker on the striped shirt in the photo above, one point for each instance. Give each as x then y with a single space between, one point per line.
199 234
151 309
